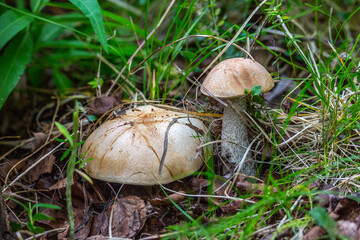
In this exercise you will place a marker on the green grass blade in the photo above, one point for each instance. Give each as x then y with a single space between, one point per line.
10 24
46 205
64 132
12 64
37 5
92 11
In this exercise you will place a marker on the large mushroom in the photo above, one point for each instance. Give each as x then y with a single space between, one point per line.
228 80
128 149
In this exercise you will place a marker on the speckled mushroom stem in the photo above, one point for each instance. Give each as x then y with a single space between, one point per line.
234 130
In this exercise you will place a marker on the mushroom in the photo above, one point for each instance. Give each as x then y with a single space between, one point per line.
128 149
228 80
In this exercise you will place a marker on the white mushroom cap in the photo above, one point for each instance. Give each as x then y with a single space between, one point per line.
128 149
231 77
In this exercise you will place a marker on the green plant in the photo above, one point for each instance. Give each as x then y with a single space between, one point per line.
27 31
34 215
73 142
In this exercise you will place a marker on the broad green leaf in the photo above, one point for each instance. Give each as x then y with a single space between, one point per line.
35 74
62 82
50 31
64 132
15 226
92 11
256 90
30 227
12 64
37 229
41 216
323 219
10 24
20 4
37 5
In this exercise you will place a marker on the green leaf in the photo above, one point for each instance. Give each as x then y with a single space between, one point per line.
256 90
92 11
91 118
61 81
12 64
188 55
21 204
15 226
41 216
10 24
64 132
65 154
30 227
60 140
37 5
46 205
37 229
323 219
94 83
35 74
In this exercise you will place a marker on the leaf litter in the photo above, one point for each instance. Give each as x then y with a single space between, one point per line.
137 212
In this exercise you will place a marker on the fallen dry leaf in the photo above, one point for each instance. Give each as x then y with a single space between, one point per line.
176 197
103 104
232 207
40 139
348 229
59 185
45 166
128 216
314 233
83 218
100 224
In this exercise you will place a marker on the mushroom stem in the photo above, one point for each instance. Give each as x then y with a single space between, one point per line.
234 130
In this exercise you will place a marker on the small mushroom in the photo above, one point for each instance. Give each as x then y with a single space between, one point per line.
228 80
129 148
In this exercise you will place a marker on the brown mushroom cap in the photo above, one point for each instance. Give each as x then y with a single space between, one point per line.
128 149
231 77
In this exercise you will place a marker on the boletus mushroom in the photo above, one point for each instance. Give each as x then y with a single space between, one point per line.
228 80
129 148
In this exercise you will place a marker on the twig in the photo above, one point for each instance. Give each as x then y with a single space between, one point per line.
31 167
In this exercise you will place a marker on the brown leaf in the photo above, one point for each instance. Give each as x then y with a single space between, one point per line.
348 229
100 224
199 183
232 207
40 139
5 167
129 215
103 104
347 209
246 187
59 185
314 233
45 166
82 223
176 197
